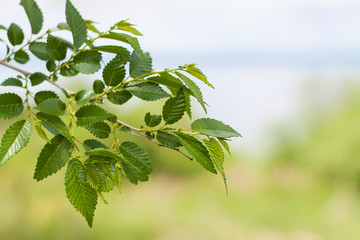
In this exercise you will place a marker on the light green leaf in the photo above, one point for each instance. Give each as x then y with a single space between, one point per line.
12 82
194 89
14 139
41 132
147 91
34 14
37 78
90 114
152 120
15 34
224 144
198 74
80 194
140 64
174 108
43 95
84 96
56 48
90 26
98 86
99 129
197 150
2 27
119 97
39 50
53 157
114 72
217 155
214 128
87 62
21 57
52 106
11 105
121 51
171 82
118 178
76 24
104 153
167 139
137 159
126 26
124 38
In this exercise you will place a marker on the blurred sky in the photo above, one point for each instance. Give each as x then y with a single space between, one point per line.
259 54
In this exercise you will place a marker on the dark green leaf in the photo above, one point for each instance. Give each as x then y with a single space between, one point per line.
215 128
34 14
152 120
98 86
137 159
76 24
90 144
39 50
147 91
126 26
174 108
140 64
122 52
37 78
130 174
124 38
52 106
43 95
83 96
168 140
21 57
14 139
119 98
56 48
50 66
171 82
197 150
53 157
198 74
99 129
80 194
118 178
11 105
15 34
104 153
87 62
12 82
90 114
114 72
68 71
2 27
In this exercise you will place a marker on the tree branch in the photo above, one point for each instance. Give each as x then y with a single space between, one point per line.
158 144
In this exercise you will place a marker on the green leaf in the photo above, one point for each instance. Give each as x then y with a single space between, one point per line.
126 26
124 38
224 144
147 91
119 98
152 120
21 57
56 48
12 82
51 66
15 34
90 114
140 64
174 108
2 27
91 27
43 95
99 129
87 62
104 153
84 96
214 128
198 74
11 105
39 50
14 139
217 155
68 71
37 78
98 86
130 174
80 194
56 123
171 82
53 157
137 159
34 14
197 150
194 89
167 139
76 24
114 72
90 144
52 106
118 178
41 132
123 53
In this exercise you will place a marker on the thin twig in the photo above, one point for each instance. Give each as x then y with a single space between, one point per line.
158 144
